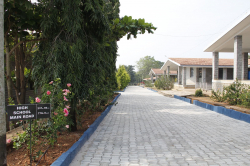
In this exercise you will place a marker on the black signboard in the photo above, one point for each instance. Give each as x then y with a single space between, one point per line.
21 112
43 111
28 111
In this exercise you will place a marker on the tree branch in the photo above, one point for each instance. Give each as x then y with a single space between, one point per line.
8 77
13 49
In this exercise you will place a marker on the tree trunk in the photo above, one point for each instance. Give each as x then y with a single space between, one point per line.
22 77
2 91
17 73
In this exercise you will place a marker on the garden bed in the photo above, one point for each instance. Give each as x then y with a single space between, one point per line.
65 140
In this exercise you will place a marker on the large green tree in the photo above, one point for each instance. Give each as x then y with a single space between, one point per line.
145 64
80 46
131 71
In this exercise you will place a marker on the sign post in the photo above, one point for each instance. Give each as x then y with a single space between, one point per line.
28 112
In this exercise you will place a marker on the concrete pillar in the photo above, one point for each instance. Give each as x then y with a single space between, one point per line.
215 66
245 66
184 76
152 79
204 73
168 71
224 73
238 57
179 75
164 73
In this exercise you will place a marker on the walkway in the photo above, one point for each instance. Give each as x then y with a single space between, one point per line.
146 128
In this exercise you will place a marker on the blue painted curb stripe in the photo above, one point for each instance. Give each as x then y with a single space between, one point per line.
183 98
222 110
152 90
66 158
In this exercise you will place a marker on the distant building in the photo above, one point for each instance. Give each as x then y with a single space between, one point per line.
197 72
157 73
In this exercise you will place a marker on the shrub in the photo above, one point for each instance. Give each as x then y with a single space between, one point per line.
164 83
122 77
218 96
198 93
148 84
233 91
234 94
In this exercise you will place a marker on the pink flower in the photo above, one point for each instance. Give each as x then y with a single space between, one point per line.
8 141
38 100
51 82
66 90
65 99
65 111
66 114
68 84
55 113
48 92
68 107
67 126
65 94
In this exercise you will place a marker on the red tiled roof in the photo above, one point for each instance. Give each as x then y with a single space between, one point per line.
161 72
203 61
158 71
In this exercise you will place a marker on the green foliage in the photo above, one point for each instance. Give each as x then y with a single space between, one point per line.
233 91
245 97
145 64
198 93
218 96
122 77
130 69
148 83
235 94
165 83
127 25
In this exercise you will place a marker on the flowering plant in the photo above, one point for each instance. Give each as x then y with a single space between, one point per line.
60 107
59 99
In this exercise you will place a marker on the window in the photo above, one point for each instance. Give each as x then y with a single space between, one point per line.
200 72
220 73
191 72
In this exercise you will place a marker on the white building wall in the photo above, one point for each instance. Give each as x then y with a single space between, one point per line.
191 80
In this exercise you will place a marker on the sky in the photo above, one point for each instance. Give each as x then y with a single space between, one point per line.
185 28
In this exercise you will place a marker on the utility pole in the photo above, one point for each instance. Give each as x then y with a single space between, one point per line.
3 154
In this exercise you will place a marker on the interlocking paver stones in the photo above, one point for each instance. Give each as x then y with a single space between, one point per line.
146 128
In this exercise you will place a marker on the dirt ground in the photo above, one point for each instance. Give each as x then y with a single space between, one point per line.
65 140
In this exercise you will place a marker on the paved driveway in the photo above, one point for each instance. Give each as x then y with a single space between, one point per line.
146 128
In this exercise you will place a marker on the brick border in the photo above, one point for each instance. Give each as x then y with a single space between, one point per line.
66 158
